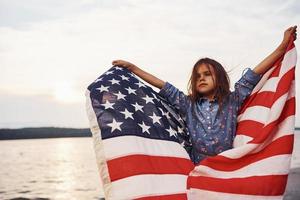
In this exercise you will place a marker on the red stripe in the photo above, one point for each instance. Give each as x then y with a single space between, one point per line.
144 164
267 98
166 197
283 145
254 129
256 185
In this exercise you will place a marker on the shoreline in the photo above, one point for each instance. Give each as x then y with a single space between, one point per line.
292 191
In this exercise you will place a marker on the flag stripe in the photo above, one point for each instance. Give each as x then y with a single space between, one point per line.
211 195
275 165
143 164
122 146
225 163
256 185
134 187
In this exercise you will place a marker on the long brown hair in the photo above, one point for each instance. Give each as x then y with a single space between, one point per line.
222 81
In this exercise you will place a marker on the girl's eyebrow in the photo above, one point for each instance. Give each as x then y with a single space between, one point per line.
203 72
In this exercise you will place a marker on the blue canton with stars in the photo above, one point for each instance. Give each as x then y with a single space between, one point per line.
126 106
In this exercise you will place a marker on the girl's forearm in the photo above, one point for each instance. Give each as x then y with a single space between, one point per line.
149 78
268 62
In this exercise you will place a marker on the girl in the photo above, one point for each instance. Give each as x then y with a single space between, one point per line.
210 110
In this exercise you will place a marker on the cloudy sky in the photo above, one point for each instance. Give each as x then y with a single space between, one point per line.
51 50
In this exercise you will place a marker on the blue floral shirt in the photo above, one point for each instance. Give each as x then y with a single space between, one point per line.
210 131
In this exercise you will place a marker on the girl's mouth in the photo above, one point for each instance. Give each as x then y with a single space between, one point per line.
202 84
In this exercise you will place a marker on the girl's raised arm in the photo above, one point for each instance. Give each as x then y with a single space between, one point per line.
149 78
268 62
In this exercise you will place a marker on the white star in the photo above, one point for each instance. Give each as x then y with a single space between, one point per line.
103 88
108 72
145 128
164 113
114 81
115 125
107 105
172 132
119 68
137 107
155 118
124 77
168 115
98 79
148 99
127 114
130 90
140 84
180 130
120 95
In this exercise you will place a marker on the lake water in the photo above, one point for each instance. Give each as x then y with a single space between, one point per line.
62 169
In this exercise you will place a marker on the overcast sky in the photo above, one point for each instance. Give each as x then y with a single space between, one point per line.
51 50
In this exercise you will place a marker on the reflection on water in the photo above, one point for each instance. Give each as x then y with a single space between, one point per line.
63 168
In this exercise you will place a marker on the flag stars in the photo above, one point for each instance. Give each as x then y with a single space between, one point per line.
155 118
145 128
120 95
114 81
98 79
137 107
130 90
148 99
108 105
119 68
102 88
108 72
115 125
124 78
127 114
140 84
171 131
180 130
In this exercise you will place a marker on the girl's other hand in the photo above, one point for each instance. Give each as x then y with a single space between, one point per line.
123 63
288 33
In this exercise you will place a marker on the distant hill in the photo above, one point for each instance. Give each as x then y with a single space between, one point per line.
47 132
43 132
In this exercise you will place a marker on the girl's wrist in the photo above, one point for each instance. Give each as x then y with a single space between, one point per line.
282 47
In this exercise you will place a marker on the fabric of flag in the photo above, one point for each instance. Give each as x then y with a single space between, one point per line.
139 141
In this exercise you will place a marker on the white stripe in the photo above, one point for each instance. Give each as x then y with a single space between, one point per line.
270 85
263 80
196 194
286 127
275 165
98 146
251 113
147 185
130 145
241 140
289 61
266 115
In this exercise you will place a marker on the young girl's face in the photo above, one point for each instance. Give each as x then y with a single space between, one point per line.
205 83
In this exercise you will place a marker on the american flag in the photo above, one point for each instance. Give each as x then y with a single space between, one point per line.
139 141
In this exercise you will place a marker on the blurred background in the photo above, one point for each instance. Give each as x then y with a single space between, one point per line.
51 50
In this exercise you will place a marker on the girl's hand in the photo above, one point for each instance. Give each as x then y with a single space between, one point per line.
123 63
290 32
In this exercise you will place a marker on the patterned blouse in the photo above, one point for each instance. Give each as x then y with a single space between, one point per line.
210 131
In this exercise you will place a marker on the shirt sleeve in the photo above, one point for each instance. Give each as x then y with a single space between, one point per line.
244 86
175 97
